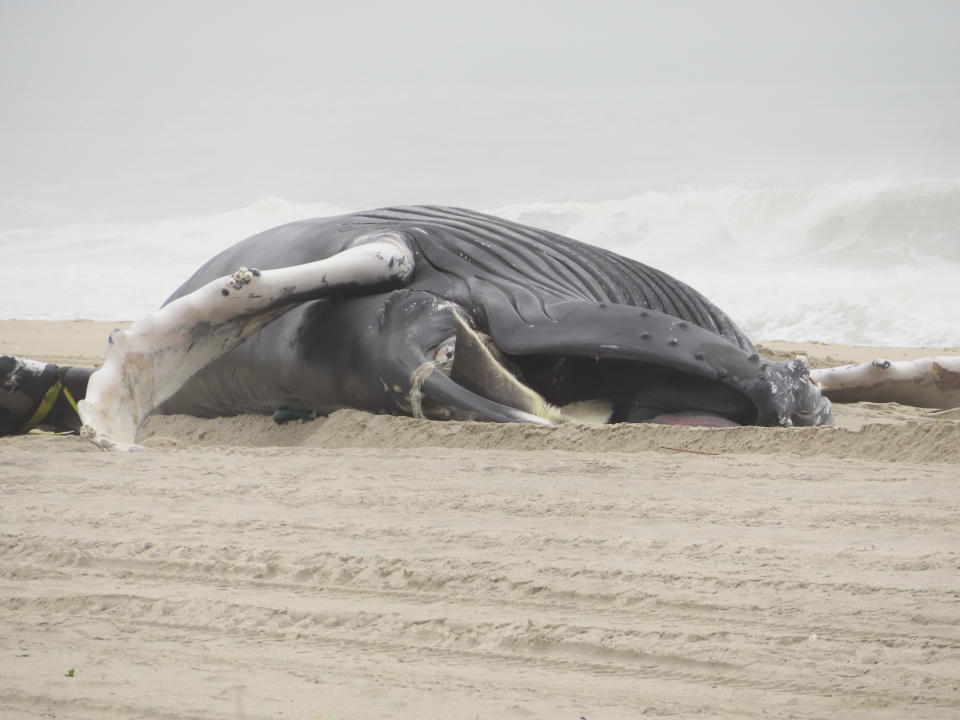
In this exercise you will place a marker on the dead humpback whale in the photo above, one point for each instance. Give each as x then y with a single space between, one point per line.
434 312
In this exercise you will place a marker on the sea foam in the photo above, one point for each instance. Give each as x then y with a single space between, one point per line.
873 263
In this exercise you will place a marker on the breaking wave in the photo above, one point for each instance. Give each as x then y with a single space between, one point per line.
871 263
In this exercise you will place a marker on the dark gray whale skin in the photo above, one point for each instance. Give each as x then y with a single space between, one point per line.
622 327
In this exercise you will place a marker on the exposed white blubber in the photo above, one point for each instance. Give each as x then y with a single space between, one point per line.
928 382
149 362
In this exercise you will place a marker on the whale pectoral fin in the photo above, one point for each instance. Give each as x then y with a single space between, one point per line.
149 362
926 382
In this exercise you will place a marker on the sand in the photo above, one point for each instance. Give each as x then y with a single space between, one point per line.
370 567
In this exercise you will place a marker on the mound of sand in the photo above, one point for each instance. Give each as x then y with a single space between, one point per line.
869 431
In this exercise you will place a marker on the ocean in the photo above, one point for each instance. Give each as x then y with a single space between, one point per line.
866 263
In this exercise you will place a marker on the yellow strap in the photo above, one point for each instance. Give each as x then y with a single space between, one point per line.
69 396
43 409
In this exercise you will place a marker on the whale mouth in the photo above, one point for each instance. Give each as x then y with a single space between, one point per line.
633 391
606 363
588 388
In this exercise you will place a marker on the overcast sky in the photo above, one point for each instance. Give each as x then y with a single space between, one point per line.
132 109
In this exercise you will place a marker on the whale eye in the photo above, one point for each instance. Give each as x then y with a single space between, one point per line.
443 357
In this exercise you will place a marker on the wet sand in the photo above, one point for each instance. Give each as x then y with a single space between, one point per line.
364 566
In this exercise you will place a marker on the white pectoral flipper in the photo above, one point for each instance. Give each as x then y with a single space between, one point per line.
927 382
148 363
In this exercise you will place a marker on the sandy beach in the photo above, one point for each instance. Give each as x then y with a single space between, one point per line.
365 566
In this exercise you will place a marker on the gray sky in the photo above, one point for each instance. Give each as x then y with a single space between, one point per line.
130 109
